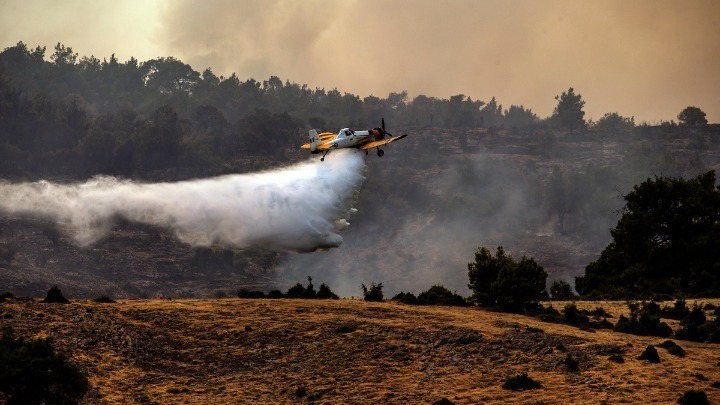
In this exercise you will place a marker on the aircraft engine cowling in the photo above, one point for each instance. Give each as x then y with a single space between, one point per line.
378 134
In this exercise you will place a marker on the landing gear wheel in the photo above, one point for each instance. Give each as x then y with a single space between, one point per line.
322 159
380 152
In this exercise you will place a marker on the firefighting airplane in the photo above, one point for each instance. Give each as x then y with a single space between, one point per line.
347 138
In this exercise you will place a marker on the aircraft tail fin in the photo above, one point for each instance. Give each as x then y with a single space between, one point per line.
314 140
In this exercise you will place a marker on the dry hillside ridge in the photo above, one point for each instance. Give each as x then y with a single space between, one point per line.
349 351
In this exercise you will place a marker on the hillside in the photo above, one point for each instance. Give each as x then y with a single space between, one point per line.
424 209
347 351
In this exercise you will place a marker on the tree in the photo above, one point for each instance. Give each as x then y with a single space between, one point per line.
521 285
667 241
568 113
519 118
374 293
560 290
32 372
692 116
484 271
501 280
54 295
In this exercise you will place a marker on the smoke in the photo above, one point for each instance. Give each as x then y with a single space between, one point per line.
298 208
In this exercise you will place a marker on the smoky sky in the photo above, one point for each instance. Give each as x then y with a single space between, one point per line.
647 59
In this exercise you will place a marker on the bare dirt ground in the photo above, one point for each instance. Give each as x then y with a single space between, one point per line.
294 351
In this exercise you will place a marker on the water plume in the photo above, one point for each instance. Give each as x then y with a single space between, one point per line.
297 208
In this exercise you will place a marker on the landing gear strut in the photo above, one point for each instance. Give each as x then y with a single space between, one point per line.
322 159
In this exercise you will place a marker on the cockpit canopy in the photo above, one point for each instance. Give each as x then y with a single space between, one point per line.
345 132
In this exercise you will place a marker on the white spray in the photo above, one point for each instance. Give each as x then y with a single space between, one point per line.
298 208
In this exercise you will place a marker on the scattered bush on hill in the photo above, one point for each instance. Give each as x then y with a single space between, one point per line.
32 372
696 327
439 295
245 293
571 315
104 299
650 354
644 321
521 382
673 348
694 397
296 291
374 293
405 298
54 295
678 311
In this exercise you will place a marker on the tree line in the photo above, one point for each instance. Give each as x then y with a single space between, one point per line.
66 116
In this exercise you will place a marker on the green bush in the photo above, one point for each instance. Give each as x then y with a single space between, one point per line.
439 295
697 328
643 321
678 311
405 298
104 299
245 293
32 372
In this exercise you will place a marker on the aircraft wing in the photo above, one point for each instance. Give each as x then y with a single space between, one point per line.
318 147
375 144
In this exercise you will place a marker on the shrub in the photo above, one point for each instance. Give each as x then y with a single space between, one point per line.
275 294
405 298
572 364
32 372
549 314
693 397
439 295
617 358
54 295
678 311
573 316
374 293
104 299
296 291
245 293
324 293
645 321
521 382
695 317
650 354
673 348
697 328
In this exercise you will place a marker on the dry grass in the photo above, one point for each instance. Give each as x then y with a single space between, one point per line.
269 351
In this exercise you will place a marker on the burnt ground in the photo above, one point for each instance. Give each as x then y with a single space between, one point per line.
348 351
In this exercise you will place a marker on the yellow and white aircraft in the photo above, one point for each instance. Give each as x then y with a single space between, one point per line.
347 138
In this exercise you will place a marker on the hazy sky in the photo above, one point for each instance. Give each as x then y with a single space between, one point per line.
645 58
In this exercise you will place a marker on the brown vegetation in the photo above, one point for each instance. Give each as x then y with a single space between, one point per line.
348 351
